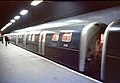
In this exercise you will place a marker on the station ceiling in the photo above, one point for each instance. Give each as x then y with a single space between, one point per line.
46 11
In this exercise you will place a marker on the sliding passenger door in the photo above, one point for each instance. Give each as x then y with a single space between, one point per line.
42 42
24 40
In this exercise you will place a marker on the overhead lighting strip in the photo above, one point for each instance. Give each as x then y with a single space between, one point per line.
6 26
12 21
36 2
17 17
23 12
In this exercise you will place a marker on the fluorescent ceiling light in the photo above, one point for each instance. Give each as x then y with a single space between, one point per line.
9 24
23 12
12 21
6 26
16 17
36 2
3 28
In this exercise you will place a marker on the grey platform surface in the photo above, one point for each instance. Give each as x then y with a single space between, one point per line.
20 66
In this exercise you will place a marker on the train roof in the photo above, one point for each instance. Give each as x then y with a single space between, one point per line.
74 27
77 27
115 26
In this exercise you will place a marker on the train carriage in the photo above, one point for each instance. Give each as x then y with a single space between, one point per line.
83 47
77 46
71 46
110 70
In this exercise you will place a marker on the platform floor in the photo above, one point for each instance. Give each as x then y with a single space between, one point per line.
20 66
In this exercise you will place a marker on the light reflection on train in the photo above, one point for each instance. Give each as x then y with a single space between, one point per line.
78 47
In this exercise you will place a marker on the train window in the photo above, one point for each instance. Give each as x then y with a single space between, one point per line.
19 36
33 37
102 37
55 36
29 38
67 37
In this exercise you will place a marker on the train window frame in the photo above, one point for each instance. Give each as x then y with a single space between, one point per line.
55 36
67 37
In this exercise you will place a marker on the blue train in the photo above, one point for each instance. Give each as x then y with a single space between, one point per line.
89 48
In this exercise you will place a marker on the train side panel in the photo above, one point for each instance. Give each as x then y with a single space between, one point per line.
63 52
32 42
112 65
20 41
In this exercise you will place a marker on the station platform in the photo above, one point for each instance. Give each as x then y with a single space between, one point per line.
18 65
